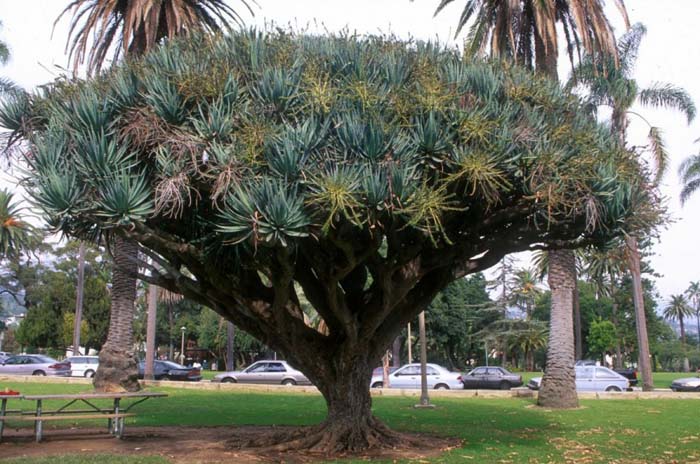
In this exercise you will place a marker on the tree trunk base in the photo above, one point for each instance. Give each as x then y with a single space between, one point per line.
118 371
333 439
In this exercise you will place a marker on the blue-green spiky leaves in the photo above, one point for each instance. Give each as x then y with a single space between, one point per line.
99 156
276 90
163 97
14 108
124 199
267 212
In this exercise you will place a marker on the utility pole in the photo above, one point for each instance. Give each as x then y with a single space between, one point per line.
79 300
230 334
151 332
408 341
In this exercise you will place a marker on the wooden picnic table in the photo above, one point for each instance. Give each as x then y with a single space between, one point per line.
114 414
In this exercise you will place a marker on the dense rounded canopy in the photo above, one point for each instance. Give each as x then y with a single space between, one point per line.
253 161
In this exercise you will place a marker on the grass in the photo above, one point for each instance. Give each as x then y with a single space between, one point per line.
492 430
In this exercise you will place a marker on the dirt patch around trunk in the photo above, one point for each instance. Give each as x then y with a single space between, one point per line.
191 445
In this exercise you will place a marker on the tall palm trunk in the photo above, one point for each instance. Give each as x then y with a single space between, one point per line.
640 316
686 363
578 336
118 370
558 388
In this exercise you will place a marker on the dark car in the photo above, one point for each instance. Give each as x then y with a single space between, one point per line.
169 370
493 377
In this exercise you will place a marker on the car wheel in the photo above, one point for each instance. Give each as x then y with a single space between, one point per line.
228 380
613 389
504 386
42 373
441 386
674 390
377 385
89 373
289 382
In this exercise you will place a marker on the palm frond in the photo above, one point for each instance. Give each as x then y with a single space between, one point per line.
657 147
669 96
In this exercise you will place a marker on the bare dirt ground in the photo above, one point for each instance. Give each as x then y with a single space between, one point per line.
187 445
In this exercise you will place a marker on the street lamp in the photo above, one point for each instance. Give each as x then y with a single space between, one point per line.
182 345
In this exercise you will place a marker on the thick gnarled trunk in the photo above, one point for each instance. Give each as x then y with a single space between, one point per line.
558 388
118 370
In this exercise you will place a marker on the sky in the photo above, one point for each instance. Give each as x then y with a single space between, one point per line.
667 54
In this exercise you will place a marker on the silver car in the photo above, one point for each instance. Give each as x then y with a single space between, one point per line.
408 376
268 372
34 364
592 379
687 384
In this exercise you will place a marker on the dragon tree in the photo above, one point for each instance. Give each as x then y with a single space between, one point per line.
361 175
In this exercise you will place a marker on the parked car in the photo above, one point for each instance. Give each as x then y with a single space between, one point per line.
34 364
630 374
494 377
169 370
271 372
592 378
686 384
83 366
408 376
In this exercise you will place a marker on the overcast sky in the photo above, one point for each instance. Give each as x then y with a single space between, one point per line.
668 54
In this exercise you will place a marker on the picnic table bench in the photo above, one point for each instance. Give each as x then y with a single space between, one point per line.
115 413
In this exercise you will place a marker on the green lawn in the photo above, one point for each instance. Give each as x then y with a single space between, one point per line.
493 430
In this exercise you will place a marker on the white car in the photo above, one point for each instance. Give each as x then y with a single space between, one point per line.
592 379
83 366
408 376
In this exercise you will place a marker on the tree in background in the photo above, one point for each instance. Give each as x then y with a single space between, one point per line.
601 338
370 172
525 31
456 314
130 29
693 295
678 310
47 289
689 172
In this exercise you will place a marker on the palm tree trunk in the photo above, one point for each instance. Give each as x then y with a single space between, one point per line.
171 326
697 317
558 388
230 334
638 297
118 370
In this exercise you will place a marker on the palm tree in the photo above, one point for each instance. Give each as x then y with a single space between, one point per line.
689 172
14 232
615 88
131 29
525 31
525 291
678 310
693 294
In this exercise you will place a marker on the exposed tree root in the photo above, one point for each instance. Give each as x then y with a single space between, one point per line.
336 439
